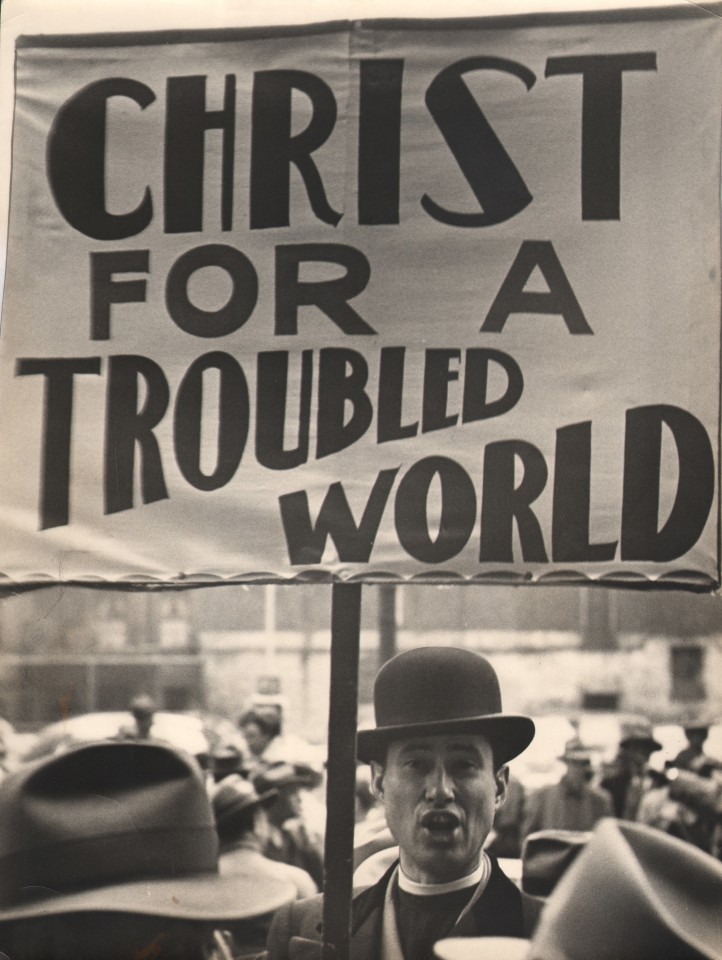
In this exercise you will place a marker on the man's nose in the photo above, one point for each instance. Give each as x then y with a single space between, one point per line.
439 785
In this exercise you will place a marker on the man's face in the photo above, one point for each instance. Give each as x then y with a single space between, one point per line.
440 794
256 739
577 773
639 752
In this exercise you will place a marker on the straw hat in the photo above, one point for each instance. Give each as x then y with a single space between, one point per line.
121 827
633 893
436 690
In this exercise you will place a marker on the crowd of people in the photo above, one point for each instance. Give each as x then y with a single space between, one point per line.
132 849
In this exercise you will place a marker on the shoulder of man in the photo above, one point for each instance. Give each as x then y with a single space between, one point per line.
296 932
299 920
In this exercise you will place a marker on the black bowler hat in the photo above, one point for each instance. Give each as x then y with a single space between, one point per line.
438 690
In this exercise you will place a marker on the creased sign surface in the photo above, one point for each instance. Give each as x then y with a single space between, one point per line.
363 299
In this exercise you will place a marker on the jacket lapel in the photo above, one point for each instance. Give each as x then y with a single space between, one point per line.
366 919
497 912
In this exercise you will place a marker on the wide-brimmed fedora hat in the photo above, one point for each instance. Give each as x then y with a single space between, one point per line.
639 730
575 751
233 794
121 827
546 856
633 893
435 690
698 721
282 774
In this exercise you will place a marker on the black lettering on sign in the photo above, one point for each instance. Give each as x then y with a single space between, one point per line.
233 420
105 290
186 123
76 161
503 503
641 537
57 431
458 510
128 427
513 298
601 124
354 542
487 167
274 149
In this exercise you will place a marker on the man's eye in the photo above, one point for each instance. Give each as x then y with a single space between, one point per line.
466 766
415 763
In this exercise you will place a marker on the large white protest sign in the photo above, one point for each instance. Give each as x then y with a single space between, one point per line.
366 298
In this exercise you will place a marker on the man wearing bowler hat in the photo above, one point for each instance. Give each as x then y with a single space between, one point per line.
438 760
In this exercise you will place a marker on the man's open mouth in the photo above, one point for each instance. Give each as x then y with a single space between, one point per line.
441 820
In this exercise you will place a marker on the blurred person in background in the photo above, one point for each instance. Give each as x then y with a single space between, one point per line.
626 781
693 757
142 709
686 805
109 851
371 832
507 835
291 838
261 727
572 803
366 805
243 832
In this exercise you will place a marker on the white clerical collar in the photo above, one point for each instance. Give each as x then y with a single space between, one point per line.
433 889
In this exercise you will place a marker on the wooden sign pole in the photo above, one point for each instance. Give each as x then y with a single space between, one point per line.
341 780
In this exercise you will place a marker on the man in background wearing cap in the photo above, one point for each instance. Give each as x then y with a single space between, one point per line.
693 757
290 838
626 782
437 756
571 804
243 832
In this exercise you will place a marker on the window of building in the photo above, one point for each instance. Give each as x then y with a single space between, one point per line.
687 665
600 701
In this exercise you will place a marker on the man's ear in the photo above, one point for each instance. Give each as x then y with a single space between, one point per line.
501 778
377 780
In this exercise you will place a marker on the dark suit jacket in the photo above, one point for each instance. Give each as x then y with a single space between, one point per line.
296 930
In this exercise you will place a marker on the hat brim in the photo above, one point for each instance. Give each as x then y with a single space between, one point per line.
266 799
579 757
650 742
509 734
208 897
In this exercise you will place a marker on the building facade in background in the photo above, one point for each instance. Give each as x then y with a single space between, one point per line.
65 651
